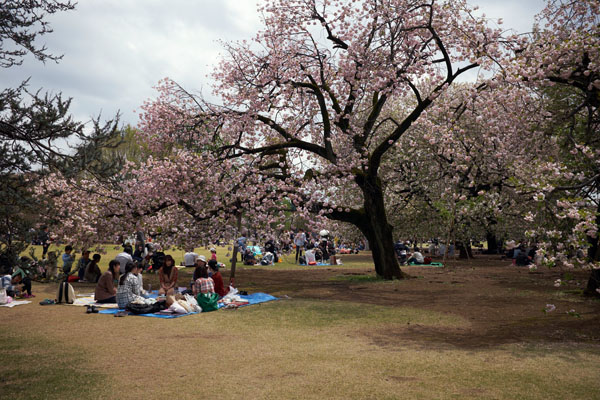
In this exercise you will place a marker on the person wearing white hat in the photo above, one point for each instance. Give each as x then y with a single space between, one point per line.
213 253
200 263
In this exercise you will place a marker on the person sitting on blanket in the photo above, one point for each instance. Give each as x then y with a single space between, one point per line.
200 263
82 264
203 284
167 275
106 289
129 286
249 258
416 257
92 271
22 283
190 258
217 278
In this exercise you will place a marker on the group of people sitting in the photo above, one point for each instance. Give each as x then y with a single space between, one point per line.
405 257
123 283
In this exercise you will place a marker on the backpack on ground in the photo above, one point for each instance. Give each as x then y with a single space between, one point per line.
66 293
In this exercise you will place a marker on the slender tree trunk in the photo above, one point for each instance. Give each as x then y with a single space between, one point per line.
464 251
379 232
492 243
450 234
235 249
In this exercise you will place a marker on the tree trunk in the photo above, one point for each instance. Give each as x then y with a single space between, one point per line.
594 255
464 252
235 250
379 232
492 243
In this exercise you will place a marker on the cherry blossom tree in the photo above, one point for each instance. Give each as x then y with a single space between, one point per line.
322 81
308 112
563 57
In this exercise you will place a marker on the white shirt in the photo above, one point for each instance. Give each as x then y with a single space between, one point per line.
418 256
189 259
300 239
123 258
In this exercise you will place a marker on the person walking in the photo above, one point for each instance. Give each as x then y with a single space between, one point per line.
300 242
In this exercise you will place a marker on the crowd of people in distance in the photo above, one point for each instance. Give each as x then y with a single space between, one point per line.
520 254
320 248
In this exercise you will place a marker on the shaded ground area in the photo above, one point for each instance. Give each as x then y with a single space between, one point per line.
503 303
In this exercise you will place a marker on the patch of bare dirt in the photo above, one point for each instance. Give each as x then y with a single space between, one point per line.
503 303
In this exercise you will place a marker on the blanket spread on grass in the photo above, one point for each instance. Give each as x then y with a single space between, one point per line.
433 264
15 303
87 299
253 298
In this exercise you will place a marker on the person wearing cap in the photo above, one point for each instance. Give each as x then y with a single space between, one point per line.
213 253
189 258
217 278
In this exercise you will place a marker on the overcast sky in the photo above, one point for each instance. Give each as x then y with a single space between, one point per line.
115 51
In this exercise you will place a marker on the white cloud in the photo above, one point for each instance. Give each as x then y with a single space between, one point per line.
115 51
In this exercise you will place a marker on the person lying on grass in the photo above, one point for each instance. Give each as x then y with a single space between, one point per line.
217 278
167 275
106 289
129 289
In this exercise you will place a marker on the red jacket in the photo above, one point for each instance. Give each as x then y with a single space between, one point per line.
219 288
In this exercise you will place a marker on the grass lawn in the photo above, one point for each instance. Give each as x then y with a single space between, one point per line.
469 332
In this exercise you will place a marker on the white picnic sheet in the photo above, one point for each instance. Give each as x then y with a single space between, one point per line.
15 303
90 301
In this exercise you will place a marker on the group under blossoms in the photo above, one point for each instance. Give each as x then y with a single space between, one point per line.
330 109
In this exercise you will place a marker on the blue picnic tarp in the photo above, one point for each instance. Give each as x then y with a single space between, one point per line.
254 298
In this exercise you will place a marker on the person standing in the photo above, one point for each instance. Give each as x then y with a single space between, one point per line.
300 242
44 240
68 259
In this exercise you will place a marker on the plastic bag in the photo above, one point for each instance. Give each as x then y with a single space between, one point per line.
3 296
191 300
230 296
185 305
177 308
